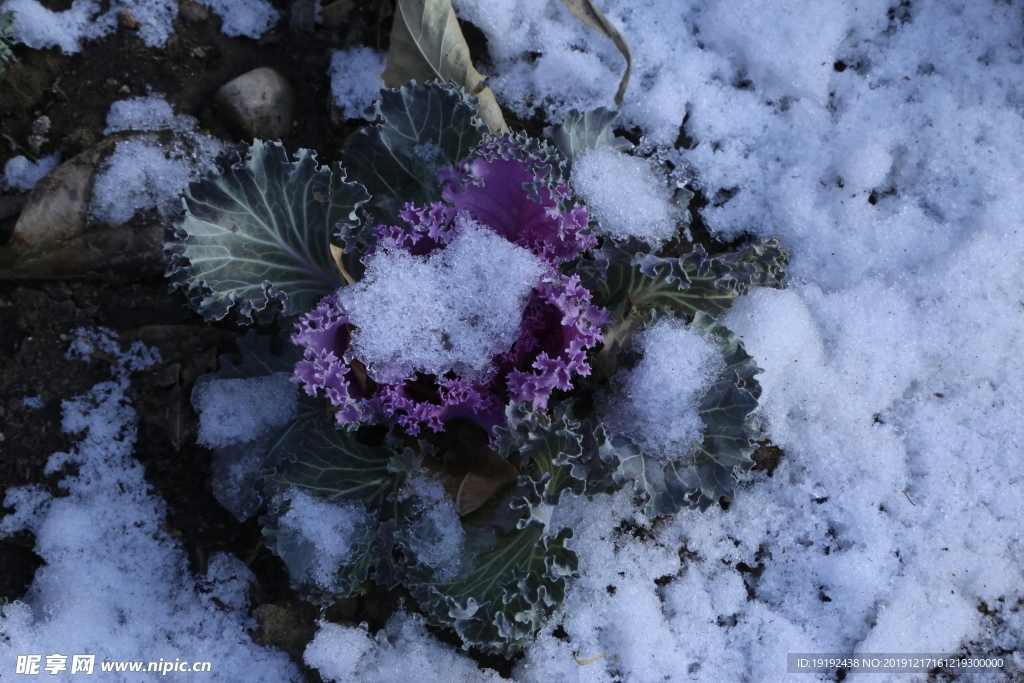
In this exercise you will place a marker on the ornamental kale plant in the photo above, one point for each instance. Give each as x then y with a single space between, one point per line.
470 344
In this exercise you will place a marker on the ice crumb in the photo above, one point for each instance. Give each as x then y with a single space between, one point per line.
32 402
402 651
657 401
145 113
317 537
96 343
144 175
356 80
239 410
248 18
21 175
452 310
625 195
437 538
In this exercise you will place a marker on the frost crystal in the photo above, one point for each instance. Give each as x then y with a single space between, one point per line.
451 311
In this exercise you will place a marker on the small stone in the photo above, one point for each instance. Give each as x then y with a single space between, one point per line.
192 11
125 19
259 102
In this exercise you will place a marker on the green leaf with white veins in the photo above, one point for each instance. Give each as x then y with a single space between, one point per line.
421 129
257 235
582 131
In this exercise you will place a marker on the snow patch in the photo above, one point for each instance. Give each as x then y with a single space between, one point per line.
114 584
356 80
625 195
453 310
146 113
39 27
402 651
144 174
656 402
437 538
21 175
248 18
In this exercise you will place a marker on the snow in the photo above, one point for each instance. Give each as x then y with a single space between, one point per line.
656 402
249 18
437 537
114 584
452 310
39 27
356 80
233 411
891 363
145 173
316 538
21 174
625 195
139 175
145 113
402 651
32 402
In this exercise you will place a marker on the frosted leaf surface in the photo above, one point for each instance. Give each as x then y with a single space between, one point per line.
625 195
317 537
240 410
657 401
452 310
437 538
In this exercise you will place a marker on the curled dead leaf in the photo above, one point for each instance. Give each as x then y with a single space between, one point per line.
584 662
427 44
585 11
473 471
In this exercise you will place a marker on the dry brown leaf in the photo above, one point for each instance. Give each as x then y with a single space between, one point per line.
585 11
584 662
427 44
473 472
336 254
477 487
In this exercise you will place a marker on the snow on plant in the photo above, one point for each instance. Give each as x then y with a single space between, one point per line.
459 319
